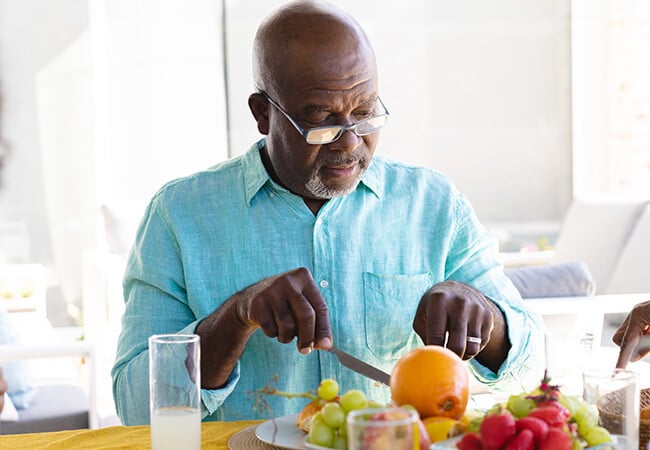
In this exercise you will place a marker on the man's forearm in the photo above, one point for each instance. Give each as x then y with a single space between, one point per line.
223 339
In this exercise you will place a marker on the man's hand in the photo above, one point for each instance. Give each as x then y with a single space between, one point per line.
286 306
459 317
632 337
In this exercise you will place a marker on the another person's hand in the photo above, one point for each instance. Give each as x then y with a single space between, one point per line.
457 313
630 335
3 390
286 306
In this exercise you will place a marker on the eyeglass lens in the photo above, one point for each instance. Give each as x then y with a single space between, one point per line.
324 135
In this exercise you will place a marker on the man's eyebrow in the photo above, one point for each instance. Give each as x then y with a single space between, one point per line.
320 108
317 108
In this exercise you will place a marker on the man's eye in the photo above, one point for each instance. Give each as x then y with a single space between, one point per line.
359 115
317 118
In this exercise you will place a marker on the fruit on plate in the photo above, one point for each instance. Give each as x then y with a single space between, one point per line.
324 419
543 419
434 380
497 429
440 428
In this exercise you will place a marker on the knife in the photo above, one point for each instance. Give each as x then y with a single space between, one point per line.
361 367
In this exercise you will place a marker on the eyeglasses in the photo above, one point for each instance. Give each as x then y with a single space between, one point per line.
331 133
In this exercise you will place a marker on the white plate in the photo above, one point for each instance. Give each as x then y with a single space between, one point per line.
287 436
290 437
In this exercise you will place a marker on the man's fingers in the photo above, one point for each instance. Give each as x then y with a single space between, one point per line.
322 332
305 320
625 354
457 343
642 348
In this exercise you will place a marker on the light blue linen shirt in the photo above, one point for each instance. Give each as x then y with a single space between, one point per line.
373 253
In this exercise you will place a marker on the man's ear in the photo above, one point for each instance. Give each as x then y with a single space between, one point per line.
259 107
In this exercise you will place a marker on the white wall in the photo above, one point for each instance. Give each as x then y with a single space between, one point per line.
105 100
479 90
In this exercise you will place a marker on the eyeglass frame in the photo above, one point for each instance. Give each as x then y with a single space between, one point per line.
341 128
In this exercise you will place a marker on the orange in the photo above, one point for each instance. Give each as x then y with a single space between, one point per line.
439 427
434 380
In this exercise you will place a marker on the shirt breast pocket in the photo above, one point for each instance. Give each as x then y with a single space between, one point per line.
390 302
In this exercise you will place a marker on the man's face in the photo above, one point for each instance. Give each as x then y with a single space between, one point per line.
340 90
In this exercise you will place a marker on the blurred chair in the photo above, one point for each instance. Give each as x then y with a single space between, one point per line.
51 379
612 237
57 404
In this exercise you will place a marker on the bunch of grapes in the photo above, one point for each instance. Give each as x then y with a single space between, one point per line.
328 426
555 421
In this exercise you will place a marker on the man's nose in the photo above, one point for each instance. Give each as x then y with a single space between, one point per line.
348 142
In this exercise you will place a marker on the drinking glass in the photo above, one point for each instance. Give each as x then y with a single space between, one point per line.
567 355
174 388
615 393
381 428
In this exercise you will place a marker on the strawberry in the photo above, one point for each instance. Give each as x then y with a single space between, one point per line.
534 424
554 416
523 440
470 441
497 429
556 439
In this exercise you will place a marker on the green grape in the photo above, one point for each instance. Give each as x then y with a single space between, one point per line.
339 442
576 444
586 416
474 425
328 389
343 431
596 436
320 433
495 408
353 399
375 404
570 402
333 415
519 405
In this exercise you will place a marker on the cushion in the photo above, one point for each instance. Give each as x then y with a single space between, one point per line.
55 407
20 386
553 280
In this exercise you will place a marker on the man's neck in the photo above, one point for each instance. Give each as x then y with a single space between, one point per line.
314 204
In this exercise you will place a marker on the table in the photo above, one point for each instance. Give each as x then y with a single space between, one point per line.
214 436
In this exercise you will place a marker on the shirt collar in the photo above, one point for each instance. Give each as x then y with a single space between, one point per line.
256 176
254 172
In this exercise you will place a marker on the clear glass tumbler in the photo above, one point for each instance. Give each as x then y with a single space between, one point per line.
381 428
175 391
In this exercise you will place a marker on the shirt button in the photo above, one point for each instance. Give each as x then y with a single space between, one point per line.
272 194
324 283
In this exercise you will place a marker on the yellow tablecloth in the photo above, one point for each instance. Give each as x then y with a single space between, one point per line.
214 436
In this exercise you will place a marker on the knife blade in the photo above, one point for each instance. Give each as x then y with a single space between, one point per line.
361 367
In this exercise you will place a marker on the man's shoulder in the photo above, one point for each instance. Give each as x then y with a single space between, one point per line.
204 181
410 174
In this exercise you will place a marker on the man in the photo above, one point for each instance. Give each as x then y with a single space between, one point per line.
309 239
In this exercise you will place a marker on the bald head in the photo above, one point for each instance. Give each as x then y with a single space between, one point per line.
302 35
